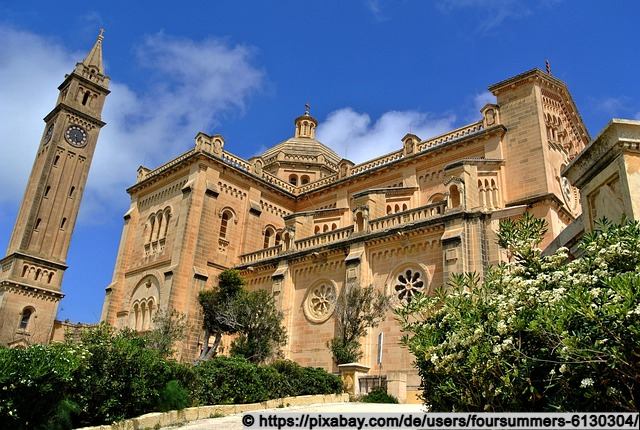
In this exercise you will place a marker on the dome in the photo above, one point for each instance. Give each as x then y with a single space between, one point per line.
302 149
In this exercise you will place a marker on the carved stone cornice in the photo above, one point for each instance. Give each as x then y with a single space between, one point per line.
619 136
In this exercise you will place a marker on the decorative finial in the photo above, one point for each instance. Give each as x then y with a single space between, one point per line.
548 67
100 36
306 105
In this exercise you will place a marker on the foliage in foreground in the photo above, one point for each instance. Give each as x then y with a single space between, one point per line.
252 316
233 380
112 375
378 395
540 333
356 310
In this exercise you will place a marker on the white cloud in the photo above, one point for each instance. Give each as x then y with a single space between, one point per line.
480 100
190 85
354 136
491 12
31 68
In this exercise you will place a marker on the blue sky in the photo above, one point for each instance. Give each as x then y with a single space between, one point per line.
372 71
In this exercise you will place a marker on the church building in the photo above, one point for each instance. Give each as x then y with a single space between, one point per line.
303 223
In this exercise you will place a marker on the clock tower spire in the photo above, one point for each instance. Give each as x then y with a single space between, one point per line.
32 271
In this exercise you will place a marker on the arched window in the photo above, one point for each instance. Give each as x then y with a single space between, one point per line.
24 319
224 224
268 234
388 209
63 223
304 179
85 98
316 230
37 226
152 225
454 194
278 238
55 160
396 209
71 191
293 180
334 226
325 228
46 191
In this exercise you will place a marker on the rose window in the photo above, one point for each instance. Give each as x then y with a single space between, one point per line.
409 284
320 302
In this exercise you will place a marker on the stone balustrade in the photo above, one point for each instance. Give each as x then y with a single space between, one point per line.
168 165
263 254
376 162
324 238
238 162
450 136
406 217
279 182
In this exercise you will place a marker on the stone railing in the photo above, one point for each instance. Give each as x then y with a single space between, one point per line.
238 162
167 165
261 255
274 180
324 238
410 216
317 184
450 136
376 162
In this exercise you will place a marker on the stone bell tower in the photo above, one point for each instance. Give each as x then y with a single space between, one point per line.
32 271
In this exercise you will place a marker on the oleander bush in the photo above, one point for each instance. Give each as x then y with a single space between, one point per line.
36 384
540 333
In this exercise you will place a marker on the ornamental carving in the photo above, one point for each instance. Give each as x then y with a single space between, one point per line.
320 302
408 284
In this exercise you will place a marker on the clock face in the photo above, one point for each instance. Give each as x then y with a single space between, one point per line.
47 137
76 136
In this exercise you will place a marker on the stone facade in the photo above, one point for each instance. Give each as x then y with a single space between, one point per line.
32 271
302 223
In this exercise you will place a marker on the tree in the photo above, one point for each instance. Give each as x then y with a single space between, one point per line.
540 333
220 310
356 310
168 328
260 332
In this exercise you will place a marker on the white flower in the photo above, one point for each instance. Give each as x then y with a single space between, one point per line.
586 382
563 368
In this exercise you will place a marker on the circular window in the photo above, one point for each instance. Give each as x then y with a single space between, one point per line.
409 284
320 302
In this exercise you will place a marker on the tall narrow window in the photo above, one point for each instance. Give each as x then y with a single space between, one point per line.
55 161
24 320
71 191
63 223
267 237
85 98
46 191
37 226
224 224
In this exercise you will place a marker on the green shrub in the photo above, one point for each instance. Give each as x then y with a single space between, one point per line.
122 378
35 384
228 380
173 397
300 381
378 395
